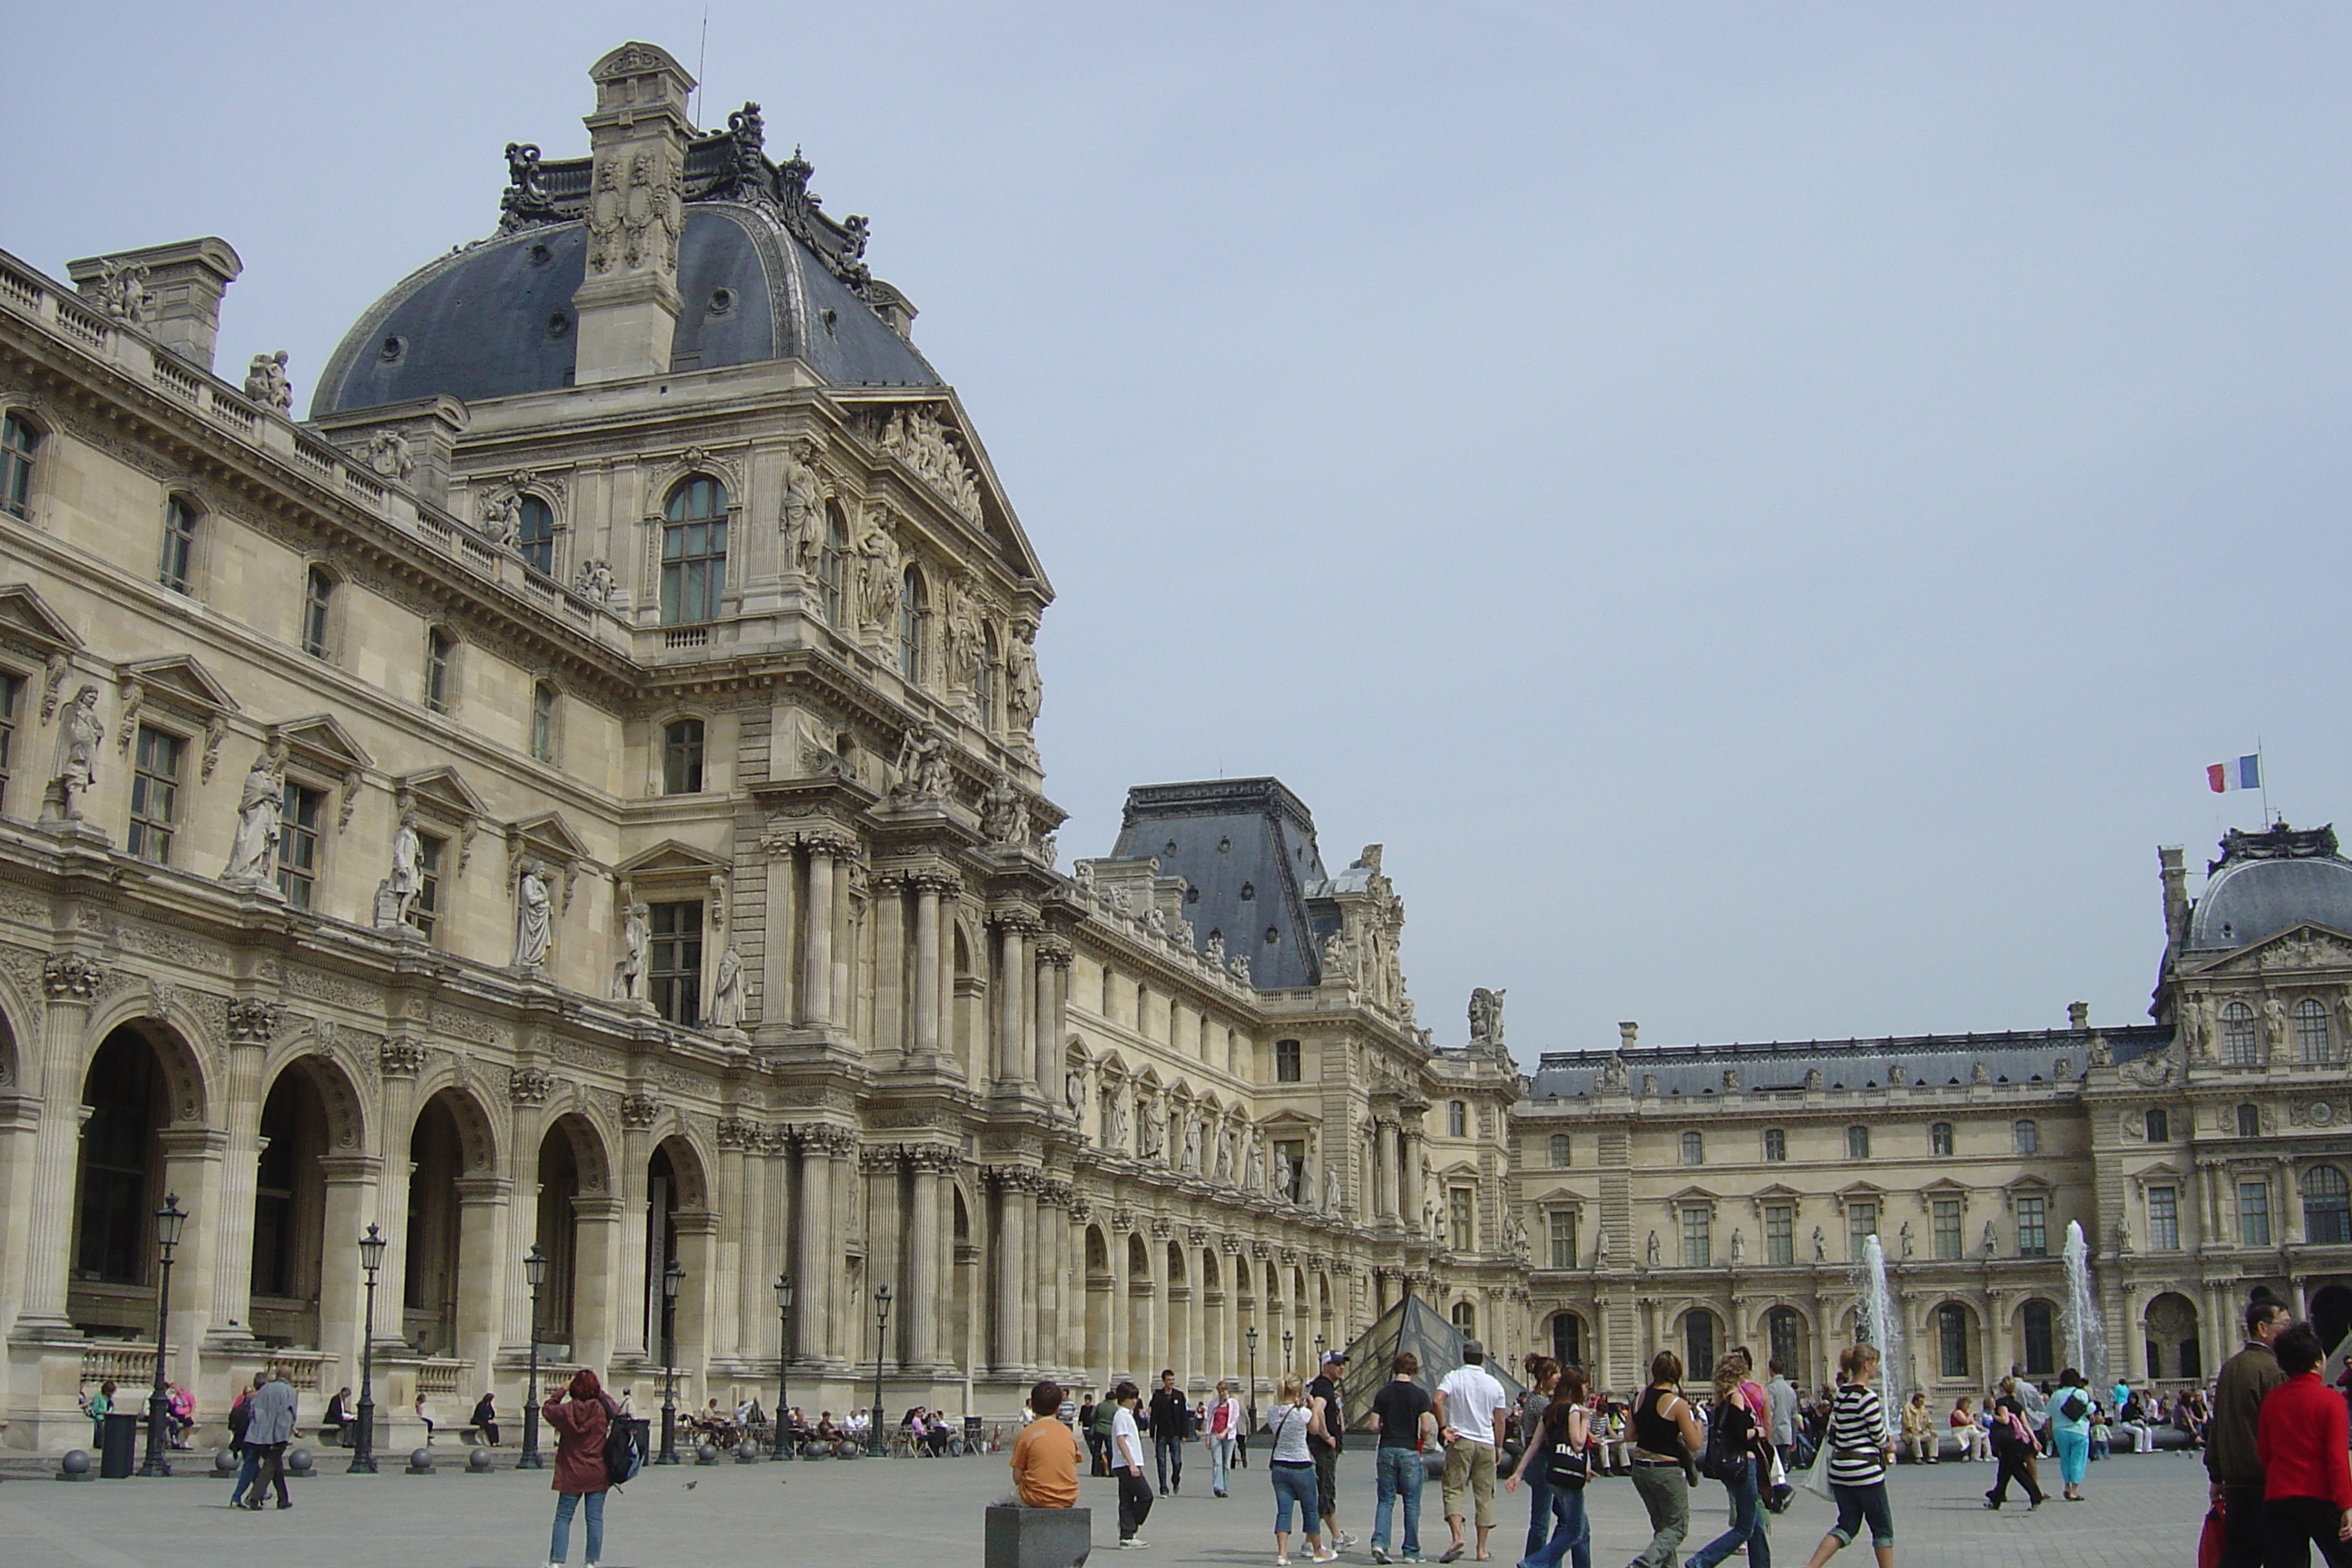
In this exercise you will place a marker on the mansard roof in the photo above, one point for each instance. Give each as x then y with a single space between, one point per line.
1933 1061
1232 838
2269 881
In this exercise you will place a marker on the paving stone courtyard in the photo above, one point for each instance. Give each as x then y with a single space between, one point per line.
894 1513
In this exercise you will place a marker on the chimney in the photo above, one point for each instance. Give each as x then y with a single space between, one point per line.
184 281
1627 1034
627 307
2175 894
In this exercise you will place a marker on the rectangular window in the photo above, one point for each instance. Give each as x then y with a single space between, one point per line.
1563 1238
1952 1340
2163 1219
1939 1139
682 757
542 722
2253 1213
1947 1216
1560 1150
2041 1338
1776 1144
11 687
1698 1245
438 647
675 963
2034 1227
155 795
2028 1136
317 604
179 544
1780 1234
1857 1142
1286 1067
425 911
298 843
1860 1225
1461 1231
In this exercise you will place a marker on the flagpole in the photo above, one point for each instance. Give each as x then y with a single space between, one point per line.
2263 769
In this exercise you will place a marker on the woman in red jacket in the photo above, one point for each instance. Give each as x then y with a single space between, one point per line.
580 1416
2306 1481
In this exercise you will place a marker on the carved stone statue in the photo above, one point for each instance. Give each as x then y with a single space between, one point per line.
803 510
1114 1116
1600 1247
877 578
1253 1169
76 766
963 645
1286 1176
727 993
1812 1081
2100 1053
1903 1238
1339 962
1821 1246
1989 1244
922 766
1649 1086
1514 1233
1152 1120
2195 1030
629 970
1980 1073
1739 1247
1074 1089
1191 1160
389 455
501 518
1650 1250
408 878
1023 696
1226 1140
266 382
1005 813
1335 1187
597 582
1487 1018
122 291
1238 966
1216 951
534 917
258 808
2275 1025
1612 1077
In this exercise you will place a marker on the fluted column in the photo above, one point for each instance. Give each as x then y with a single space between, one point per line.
1054 954
927 888
925 1294
1012 1005
71 981
816 968
240 1116
1014 1284
1411 1172
816 1261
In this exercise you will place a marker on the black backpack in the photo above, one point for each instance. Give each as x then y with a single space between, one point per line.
1724 1458
625 1454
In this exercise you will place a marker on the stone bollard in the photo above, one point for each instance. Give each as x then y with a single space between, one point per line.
1018 1537
747 1452
225 1463
299 1464
707 1454
420 1462
477 1462
75 1467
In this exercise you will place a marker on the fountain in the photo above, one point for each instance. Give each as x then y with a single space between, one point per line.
2087 1331
1878 1323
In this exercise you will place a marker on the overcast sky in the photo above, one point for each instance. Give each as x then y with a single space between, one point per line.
1766 511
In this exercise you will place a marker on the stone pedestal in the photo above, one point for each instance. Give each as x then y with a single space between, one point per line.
1018 1537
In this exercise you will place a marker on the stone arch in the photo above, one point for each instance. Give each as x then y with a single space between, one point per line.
1787 1333
573 1165
689 1168
450 1141
1699 1338
13 1008
1568 1337
171 1031
2170 1324
1952 1348
342 1100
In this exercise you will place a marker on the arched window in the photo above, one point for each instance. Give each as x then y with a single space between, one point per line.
439 649
682 757
18 441
694 552
983 682
1939 1139
2158 1127
2249 1122
1952 1339
914 609
179 544
535 534
1457 1118
1465 1320
2040 1321
2241 1046
1784 1332
1698 1343
2027 1137
832 564
1857 1142
545 729
2326 1207
2311 1040
1693 1149
1567 1339
1560 1150
318 607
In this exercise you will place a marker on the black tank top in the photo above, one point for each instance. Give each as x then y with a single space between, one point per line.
1652 1431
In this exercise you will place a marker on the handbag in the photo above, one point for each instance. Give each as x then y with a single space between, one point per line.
1778 1492
1567 1466
1817 1474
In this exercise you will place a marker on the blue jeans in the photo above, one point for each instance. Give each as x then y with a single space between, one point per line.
1220 1463
1541 1515
1855 1504
561 1542
1398 1474
246 1473
1168 1452
1572 1536
1746 1527
1295 1483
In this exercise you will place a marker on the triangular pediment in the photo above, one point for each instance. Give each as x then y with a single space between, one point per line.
1944 1186
323 741
1560 1195
2162 1171
2028 1183
2305 946
181 681
995 515
550 835
1779 1192
671 856
1282 1120
1692 1195
442 790
26 616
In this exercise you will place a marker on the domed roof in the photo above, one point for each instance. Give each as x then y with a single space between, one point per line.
762 274
2269 882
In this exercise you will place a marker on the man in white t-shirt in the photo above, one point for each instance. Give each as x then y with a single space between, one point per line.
1127 1464
1469 1406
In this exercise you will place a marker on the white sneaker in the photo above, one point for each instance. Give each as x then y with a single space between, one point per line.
1327 1557
1282 1563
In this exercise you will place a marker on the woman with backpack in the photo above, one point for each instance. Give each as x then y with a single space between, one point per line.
1559 1450
2070 1422
1738 1454
582 1417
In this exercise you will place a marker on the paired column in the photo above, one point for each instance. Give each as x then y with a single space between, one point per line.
925 1294
1410 1169
1015 1222
927 888
816 966
816 1260
1014 1052
1053 955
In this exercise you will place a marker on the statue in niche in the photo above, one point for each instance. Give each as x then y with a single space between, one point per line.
1074 1089
1821 1246
1601 1246
1225 1172
1335 1188
1903 1238
258 808
2274 1024
1152 1119
1114 1116
1192 1157
803 509
266 384
1739 1247
1650 1250
1486 1017
727 993
1989 1242
962 632
1023 696
534 917
75 768
1514 1233
629 972
2193 1030
1286 1176
877 576
1254 1171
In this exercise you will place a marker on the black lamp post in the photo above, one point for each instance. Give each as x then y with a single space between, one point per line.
534 1270
1286 1348
881 1324
169 1222
371 1247
672 1278
784 1367
1319 1354
1250 1335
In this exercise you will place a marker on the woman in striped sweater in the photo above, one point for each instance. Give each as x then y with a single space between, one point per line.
1861 1447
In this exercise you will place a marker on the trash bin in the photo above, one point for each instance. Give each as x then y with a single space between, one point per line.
120 1457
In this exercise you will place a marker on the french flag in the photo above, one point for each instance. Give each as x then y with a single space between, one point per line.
2223 777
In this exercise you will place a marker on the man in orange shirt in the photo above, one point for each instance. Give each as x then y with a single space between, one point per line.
1045 1455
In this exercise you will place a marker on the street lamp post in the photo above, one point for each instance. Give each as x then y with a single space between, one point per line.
784 1367
169 1222
881 1325
534 1270
1286 1348
672 1278
1250 1335
1319 1354
362 1463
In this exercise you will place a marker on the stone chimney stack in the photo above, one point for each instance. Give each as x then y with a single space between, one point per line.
2175 894
183 283
627 307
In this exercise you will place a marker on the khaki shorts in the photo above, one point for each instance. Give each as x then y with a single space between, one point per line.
1470 1466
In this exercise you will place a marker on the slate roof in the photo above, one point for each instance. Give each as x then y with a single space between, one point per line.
1934 1060
1246 847
2270 881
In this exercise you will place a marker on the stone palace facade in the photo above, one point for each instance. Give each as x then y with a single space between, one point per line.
576 791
